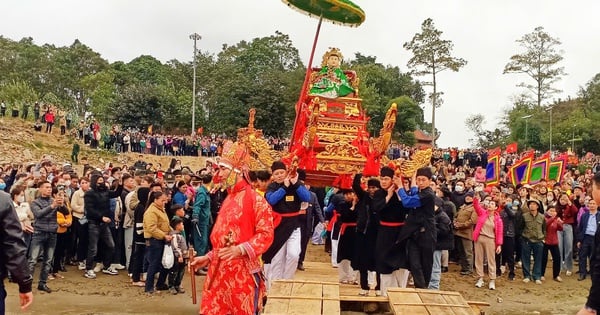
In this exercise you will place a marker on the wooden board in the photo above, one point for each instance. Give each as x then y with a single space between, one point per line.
427 302
303 297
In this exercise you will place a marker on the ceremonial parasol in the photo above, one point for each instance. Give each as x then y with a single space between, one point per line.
342 12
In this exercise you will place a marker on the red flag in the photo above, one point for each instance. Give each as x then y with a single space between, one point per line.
494 151
511 148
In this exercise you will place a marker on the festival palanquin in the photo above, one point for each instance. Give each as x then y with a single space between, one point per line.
330 138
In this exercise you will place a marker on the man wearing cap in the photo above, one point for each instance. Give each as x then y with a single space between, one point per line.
420 227
242 232
366 232
284 194
390 258
464 220
533 234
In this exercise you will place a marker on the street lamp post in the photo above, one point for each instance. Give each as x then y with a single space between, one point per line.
195 37
526 127
573 140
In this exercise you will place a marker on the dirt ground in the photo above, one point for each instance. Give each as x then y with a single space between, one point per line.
114 295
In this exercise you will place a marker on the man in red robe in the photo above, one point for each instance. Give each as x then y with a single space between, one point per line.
242 232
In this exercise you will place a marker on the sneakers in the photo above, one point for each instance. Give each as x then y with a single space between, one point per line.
526 280
110 271
569 273
538 281
90 274
117 266
519 264
98 267
81 266
558 279
180 290
502 269
543 278
173 291
492 285
479 283
363 293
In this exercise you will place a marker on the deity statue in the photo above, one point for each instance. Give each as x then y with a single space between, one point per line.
331 82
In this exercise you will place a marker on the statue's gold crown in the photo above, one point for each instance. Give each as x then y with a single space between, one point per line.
333 51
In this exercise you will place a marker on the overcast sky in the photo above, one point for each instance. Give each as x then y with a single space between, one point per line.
483 32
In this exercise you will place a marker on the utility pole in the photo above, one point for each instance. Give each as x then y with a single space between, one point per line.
195 37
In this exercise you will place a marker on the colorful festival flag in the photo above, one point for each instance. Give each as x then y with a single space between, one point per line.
557 168
519 171
492 171
539 169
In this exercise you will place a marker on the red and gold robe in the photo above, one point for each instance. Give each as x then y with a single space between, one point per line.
237 285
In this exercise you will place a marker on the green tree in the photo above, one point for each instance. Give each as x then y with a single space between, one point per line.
410 115
432 55
499 136
139 105
16 93
539 61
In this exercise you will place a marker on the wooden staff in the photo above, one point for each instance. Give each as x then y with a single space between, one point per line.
228 242
191 255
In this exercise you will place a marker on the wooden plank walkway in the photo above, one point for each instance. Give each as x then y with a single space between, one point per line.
324 272
318 291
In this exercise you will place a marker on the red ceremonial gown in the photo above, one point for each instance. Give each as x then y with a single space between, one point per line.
237 286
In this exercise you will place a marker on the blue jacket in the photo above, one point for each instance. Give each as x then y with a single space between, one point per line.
582 226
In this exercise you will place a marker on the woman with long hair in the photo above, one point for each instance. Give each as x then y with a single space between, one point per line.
568 213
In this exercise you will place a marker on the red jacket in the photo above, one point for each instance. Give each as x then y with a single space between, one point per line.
553 225
567 213
483 215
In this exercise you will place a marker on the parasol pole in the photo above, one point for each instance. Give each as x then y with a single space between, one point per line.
310 60
307 76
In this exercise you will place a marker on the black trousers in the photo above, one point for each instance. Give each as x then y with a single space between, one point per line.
63 240
304 237
553 249
420 261
176 274
507 256
364 279
137 261
80 239
99 232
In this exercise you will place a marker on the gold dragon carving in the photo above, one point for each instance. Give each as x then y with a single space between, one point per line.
261 154
407 168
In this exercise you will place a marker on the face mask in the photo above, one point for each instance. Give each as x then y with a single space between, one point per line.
515 203
101 187
21 199
170 185
459 188
2 186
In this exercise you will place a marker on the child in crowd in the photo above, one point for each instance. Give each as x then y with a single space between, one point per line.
180 250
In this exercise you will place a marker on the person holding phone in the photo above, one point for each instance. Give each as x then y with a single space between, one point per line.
43 241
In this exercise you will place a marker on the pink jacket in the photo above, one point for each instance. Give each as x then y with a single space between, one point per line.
483 215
